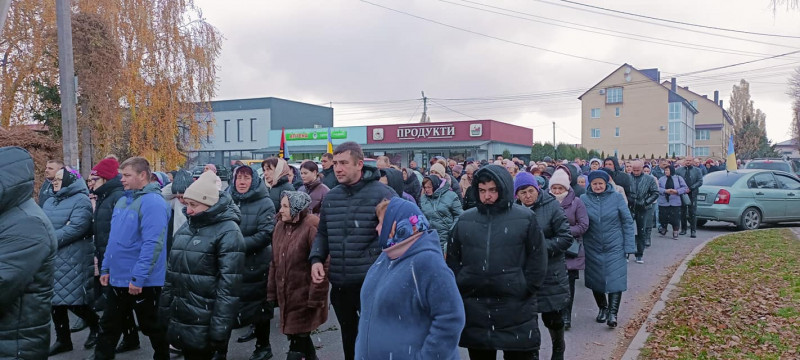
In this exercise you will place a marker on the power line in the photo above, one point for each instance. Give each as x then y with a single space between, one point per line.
737 64
489 36
455 111
680 22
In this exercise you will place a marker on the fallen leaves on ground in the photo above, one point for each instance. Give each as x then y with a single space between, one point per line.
739 299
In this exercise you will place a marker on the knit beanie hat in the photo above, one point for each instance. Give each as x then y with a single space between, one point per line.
598 174
597 161
106 168
438 170
560 177
524 179
204 189
298 201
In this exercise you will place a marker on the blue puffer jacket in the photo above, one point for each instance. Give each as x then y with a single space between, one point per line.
609 238
442 210
136 251
410 306
27 252
70 212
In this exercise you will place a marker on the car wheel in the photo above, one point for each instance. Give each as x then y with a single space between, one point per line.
750 219
701 222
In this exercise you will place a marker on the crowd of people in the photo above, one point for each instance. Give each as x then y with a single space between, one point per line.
416 262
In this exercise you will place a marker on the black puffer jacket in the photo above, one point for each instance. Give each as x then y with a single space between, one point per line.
27 254
412 186
574 173
282 185
203 284
621 178
107 196
644 192
470 198
554 294
347 228
257 224
499 258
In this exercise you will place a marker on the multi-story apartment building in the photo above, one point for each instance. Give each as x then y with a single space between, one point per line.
630 113
713 125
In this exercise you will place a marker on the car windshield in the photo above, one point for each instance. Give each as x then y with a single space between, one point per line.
769 165
721 178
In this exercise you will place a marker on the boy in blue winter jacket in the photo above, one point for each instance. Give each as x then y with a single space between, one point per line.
135 260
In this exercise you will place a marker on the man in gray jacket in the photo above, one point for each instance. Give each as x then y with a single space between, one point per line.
694 179
644 192
28 244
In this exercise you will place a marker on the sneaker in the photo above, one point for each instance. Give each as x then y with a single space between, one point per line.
639 260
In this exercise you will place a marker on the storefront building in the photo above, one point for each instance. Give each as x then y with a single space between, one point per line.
310 143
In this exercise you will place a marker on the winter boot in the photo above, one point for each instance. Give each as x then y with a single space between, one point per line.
295 355
559 346
566 317
262 353
129 342
613 308
91 341
600 299
250 335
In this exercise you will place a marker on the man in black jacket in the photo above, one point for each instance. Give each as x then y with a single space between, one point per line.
50 170
620 177
694 179
347 234
328 177
644 192
28 244
498 255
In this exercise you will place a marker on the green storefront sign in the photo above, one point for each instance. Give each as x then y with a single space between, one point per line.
316 135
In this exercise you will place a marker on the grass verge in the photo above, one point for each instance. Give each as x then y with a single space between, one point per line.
739 299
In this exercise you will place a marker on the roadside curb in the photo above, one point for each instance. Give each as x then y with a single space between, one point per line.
638 342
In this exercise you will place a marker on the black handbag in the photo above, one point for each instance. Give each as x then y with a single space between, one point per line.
574 249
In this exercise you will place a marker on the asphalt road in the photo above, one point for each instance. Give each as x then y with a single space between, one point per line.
586 340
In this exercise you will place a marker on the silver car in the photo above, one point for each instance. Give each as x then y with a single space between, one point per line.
749 198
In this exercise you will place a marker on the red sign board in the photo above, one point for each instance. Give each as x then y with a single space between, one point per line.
450 131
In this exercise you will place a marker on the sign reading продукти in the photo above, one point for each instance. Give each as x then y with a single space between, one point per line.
446 131
315 135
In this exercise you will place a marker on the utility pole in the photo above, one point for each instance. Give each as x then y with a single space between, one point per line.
424 109
555 148
66 81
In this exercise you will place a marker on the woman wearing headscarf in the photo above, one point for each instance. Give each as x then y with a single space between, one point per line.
277 173
448 180
578 220
70 212
410 304
411 185
441 206
608 240
312 185
553 296
670 189
303 304
200 298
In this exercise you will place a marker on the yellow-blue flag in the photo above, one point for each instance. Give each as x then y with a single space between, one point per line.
730 164
330 142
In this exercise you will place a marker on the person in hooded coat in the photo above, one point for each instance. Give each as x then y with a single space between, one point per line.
578 219
608 240
423 323
276 175
312 185
574 173
553 296
29 247
411 185
499 257
200 298
70 212
670 188
439 169
620 177
440 206
257 222
303 304
173 194
394 179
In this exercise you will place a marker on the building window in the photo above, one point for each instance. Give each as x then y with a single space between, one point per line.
617 111
226 130
595 133
701 151
614 95
616 132
252 129
208 131
239 130
596 113
674 111
703 135
694 104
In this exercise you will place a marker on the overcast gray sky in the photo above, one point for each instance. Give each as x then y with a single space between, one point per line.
372 62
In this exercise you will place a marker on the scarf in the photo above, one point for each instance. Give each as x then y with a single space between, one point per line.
670 184
560 197
281 169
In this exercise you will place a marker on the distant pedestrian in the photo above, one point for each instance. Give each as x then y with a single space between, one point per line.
27 258
694 180
302 303
670 188
201 294
411 304
411 184
46 190
394 179
609 238
441 207
645 194
173 194
619 176
499 257
277 176
328 177
348 237
70 212
469 198
213 168
312 185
